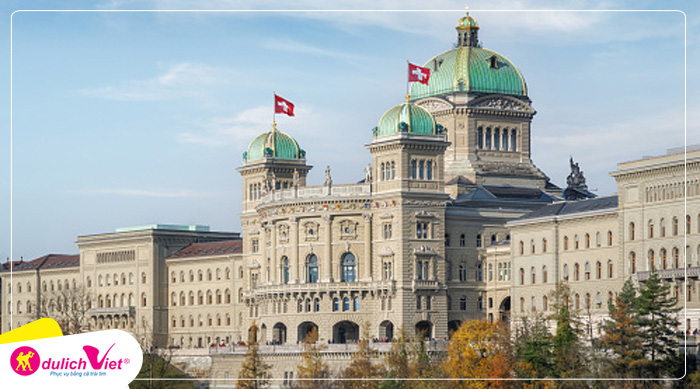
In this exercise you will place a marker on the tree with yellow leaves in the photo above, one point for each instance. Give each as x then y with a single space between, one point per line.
479 350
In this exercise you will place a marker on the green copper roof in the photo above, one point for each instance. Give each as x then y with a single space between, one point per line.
467 22
408 118
273 144
470 69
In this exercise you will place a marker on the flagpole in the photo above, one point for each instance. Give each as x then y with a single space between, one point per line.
274 108
408 75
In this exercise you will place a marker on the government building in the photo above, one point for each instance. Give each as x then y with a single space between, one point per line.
451 222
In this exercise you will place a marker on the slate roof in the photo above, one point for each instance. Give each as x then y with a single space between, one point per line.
497 193
49 261
572 207
210 248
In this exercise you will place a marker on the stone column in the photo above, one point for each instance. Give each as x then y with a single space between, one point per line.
327 264
367 263
273 252
294 254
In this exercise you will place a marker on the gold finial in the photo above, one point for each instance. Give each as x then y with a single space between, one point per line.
274 126
408 97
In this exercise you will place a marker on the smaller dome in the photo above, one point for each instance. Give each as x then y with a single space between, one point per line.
273 144
407 118
467 22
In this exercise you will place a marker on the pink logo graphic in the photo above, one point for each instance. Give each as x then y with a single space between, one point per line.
25 361
92 354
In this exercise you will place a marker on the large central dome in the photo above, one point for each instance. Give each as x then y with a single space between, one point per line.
470 68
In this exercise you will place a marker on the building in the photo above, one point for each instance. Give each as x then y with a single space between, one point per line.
453 221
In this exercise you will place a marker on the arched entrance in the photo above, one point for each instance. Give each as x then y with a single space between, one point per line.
279 333
304 328
425 329
453 326
386 330
252 334
504 310
263 333
346 332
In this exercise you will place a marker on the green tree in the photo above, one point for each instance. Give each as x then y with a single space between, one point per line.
622 335
253 374
312 367
362 368
533 349
569 361
408 358
657 318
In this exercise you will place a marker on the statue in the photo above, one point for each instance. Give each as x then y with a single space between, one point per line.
368 174
295 178
576 188
329 180
273 181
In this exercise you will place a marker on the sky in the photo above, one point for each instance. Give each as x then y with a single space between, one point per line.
132 118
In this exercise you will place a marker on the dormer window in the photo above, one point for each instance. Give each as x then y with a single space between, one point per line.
493 62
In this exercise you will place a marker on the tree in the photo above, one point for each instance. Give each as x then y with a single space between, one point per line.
622 335
408 358
569 361
311 367
253 374
361 368
69 307
534 350
479 349
657 318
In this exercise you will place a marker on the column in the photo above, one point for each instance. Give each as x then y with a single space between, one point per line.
273 252
294 252
367 263
327 250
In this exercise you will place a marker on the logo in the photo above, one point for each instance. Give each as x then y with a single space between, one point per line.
25 361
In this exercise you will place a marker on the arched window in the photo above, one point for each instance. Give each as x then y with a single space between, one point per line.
522 248
480 137
566 243
414 168
664 263
522 276
597 239
676 258
651 260
576 242
428 169
381 172
393 170
610 268
631 232
462 240
588 240
143 278
504 140
544 274
143 300
633 262
598 270
545 303
610 240
348 268
183 299
490 272
577 272
588 301
356 305
513 140
210 297
533 276
532 246
588 271
488 139
651 228
311 269
209 277
497 139
522 304
687 224
577 301
335 304
544 245
308 305
662 227
346 304
317 304
565 272
173 299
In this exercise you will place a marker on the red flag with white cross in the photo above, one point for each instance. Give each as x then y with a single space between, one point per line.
283 106
418 74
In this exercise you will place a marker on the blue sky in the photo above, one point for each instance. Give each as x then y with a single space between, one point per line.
131 118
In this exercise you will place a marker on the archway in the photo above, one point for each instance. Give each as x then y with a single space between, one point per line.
263 333
346 332
279 333
386 330
453 326
252 334
425 329
304 328
504 310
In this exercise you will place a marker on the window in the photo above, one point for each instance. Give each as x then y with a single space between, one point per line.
311 269
674 228
522 276
356 304
544 245
544 274
664 265
346 304
575 242
662 227
393 170
588 301
414 169
566 243
447 240
610 240
577 272
651 229
522 304
428 170
255 243
631 231
533 306
687 224
577 301
522 248
422 230
490 272
480 137
478 241
317 304
598 270
633 262
209 276
462 241
463 303
348 268
387 270
565 272
387 231
676 258
143 299
285 270
335 304
597 239
533 276
463 272
651 260
532 246
588 271
545 302
143 278
588 241
610 268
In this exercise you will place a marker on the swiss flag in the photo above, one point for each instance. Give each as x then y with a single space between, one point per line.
418 74
283 106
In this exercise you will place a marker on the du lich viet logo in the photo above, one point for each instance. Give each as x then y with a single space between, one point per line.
106 358
25 361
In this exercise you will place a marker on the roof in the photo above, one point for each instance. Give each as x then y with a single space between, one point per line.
273 144
469 69
504 193
49 261
573 207
207 249
459 180
407 118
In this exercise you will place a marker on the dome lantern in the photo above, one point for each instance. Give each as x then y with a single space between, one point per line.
467 32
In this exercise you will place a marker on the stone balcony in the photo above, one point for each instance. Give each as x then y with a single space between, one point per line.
431 346
432 285
129 310
670 274
322 287
311 192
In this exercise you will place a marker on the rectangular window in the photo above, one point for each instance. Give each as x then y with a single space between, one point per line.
255 245
422 230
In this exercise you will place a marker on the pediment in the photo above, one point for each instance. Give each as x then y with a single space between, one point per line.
501 103
433 104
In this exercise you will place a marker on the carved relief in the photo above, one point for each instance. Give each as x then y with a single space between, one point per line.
433 105
348 229
311 231
424 213
283 233
502 104
424 250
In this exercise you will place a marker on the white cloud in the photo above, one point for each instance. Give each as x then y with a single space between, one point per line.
143 193
179 80
292 46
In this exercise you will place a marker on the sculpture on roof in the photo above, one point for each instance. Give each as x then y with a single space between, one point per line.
576 188
295 178
329 180
368 174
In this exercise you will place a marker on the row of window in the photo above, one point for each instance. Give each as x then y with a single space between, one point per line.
210 276
50 286
200 321
671 191
478 241
576 242
348 269
387 171
209 298
503 139
422 169
576 302
108 280
117 301
565 272
463 303
652 263
662 227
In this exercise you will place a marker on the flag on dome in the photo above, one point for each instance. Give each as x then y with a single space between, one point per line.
418 74
283 106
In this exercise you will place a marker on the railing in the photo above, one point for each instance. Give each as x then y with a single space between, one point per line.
693 272
325 287
317 192
426 285
112 310
380 347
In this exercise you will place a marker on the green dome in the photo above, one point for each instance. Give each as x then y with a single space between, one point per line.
407 118
470 69
467 22
273 144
